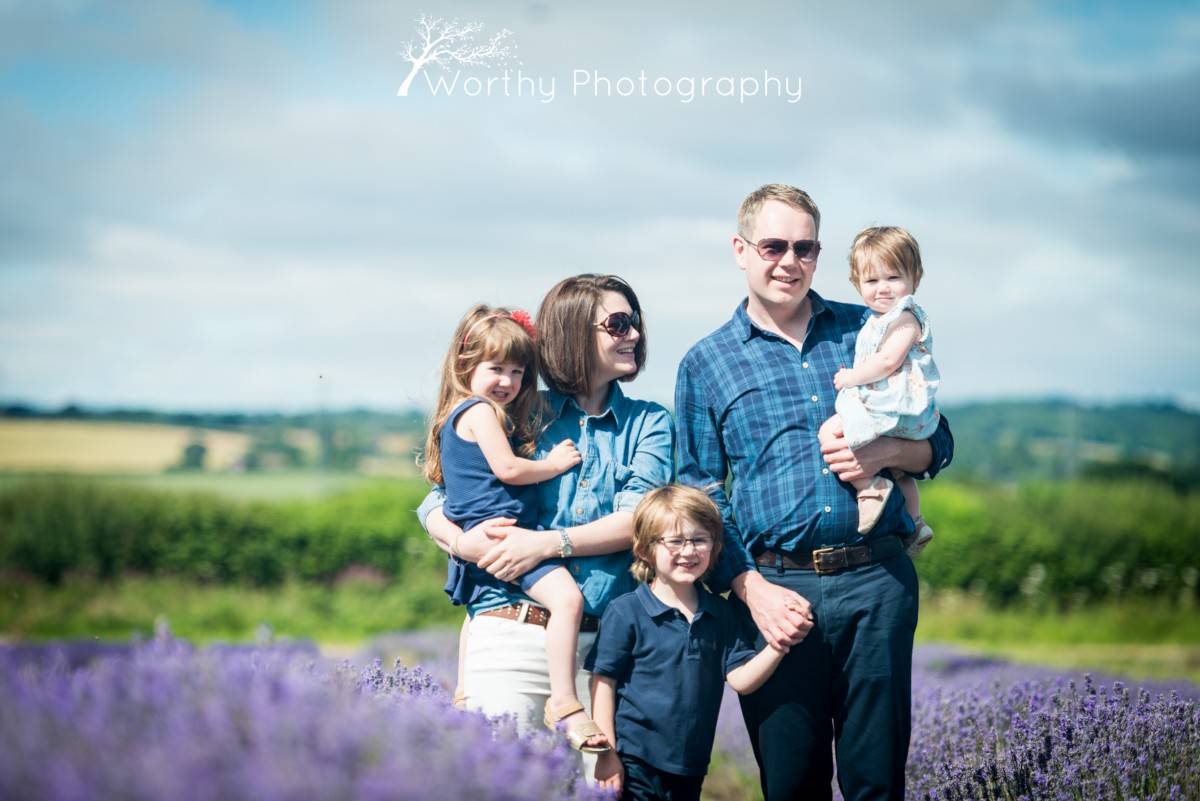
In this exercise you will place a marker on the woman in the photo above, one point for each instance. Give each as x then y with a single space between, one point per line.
590 338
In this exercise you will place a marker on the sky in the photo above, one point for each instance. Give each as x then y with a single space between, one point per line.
224 205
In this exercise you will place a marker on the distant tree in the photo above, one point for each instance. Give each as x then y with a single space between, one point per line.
194 453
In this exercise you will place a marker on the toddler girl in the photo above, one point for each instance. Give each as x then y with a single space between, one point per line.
889 391
665 651
483 431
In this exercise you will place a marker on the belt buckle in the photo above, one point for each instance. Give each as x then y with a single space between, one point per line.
522 612
834 564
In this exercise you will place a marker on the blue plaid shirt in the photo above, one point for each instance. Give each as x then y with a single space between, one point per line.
749 403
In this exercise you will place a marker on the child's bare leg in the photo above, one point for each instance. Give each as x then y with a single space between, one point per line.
922 533
460 695
559 593
912 494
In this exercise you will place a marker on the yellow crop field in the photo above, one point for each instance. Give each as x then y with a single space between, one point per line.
86 446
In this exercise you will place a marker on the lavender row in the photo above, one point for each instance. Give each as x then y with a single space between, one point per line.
165 720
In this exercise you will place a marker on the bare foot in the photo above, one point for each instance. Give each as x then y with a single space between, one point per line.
871 502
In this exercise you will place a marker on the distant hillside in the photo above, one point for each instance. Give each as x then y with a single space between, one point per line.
1001 440
1008 440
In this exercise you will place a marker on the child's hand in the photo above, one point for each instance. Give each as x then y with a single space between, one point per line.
844 378
564 456
610 773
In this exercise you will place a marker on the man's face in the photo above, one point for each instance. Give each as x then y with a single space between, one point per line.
782 285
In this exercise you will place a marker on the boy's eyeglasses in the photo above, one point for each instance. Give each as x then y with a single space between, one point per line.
775 249
618 324
676 544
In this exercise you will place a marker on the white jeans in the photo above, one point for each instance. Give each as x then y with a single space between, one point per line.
506 672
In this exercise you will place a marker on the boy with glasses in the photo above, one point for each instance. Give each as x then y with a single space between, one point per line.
750 399
665 651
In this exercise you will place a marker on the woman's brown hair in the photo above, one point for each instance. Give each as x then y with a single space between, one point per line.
566 324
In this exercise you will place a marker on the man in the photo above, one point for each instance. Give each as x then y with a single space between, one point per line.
750 399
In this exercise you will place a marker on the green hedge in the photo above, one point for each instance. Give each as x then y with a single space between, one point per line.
1069 543
1062 543
50 527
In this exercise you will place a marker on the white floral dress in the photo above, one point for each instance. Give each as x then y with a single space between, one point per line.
900 405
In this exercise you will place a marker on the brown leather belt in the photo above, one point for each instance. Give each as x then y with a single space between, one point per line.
538 616
833 560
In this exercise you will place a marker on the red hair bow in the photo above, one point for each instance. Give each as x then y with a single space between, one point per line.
522 318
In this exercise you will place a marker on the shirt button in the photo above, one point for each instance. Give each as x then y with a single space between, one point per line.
824 471
804 365
583 483
575 569
578 510
828 508
814 398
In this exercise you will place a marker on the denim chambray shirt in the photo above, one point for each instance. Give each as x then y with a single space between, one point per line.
627 450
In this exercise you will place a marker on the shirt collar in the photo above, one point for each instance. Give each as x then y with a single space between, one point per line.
751 329
616 404
656 608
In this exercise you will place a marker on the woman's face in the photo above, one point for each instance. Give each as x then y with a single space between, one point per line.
615 353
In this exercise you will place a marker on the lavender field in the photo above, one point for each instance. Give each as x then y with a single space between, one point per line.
163 719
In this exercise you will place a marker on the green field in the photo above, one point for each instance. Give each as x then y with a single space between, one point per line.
267 486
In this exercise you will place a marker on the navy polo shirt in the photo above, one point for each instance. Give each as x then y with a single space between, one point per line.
669 675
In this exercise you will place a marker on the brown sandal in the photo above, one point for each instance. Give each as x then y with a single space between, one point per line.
578 736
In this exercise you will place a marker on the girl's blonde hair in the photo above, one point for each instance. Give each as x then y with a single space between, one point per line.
893 246
664 511
488 334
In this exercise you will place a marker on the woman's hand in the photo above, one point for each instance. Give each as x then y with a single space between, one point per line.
517 552
564 456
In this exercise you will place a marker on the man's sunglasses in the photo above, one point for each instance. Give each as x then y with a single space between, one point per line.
776 249
618 323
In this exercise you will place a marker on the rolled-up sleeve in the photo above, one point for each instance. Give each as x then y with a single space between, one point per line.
433 500
653 462
702 464
942 445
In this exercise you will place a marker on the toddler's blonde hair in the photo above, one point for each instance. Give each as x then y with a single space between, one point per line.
892 246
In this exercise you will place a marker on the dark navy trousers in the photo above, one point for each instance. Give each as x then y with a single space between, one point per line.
849 682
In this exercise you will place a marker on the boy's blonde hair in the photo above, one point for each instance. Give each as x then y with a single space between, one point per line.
892 246
796 198
664 510
486 334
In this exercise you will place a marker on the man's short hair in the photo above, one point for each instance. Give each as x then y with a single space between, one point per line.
890 245
796 198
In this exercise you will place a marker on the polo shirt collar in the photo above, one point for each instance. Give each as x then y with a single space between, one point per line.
616 405
750 329
656 608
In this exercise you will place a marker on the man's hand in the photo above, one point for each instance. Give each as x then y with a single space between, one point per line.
784 617
610 773
851 465
518 551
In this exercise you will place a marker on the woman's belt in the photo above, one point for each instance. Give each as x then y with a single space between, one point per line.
538 616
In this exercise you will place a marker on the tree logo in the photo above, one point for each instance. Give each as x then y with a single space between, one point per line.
445 42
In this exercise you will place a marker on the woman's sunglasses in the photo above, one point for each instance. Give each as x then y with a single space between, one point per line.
775 249
618 324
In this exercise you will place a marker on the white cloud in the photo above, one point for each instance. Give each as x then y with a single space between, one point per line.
276 214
